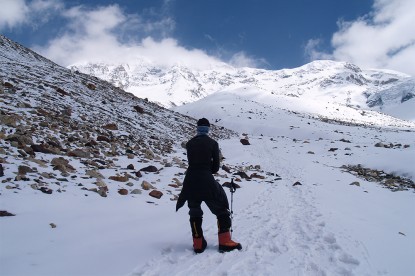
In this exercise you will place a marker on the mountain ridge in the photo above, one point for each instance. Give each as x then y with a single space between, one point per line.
338 82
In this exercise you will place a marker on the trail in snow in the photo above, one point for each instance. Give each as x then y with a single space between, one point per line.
281 231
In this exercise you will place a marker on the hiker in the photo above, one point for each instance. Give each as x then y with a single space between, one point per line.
199 185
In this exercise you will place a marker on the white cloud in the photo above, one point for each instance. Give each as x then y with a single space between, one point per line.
241 59
104 34
110 34
383 39
14 13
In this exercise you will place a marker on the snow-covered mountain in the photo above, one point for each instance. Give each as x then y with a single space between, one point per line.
89 175
327 81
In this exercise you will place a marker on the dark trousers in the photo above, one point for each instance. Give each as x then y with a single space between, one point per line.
218 208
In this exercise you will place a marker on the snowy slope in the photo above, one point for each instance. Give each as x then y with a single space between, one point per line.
338 221
338 83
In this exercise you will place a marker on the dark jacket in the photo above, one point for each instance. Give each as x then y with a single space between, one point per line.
199 183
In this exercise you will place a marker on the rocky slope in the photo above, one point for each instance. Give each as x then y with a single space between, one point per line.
59 126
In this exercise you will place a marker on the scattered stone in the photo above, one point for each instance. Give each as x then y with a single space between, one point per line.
174 186
242 174
91 143
244 142
102 191
46 190
62 165
130 167
91 86
139 109
112 126
100 183
226 169
174 198
20 177
101 138
156 194
94 174
136 191
23 170
79 153
119 178
333 149
123 191
4 213
21 139
390 181
1 170
177 181
310 152
138 174
355 183
255 175
146 186
52 225
400 233
43 148
148 154
297 183
9 120
149 169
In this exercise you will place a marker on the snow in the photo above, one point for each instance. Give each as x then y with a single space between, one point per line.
323 227
320 81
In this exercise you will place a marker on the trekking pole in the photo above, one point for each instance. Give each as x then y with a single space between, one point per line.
232 189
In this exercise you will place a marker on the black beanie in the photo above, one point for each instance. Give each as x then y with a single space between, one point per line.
203 122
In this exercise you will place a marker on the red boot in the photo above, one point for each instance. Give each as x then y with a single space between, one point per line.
226 244
199 245
199 242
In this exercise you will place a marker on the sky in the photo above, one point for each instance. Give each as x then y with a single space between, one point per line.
254 33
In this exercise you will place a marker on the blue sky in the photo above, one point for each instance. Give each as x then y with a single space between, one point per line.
256 33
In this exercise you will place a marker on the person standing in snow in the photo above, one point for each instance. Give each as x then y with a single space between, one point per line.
199 186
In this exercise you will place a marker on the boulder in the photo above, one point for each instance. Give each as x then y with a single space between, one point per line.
242 175
226 169
60 161
9 120
146 186
149 169
136 192
119 178
79 153
94 174
123 191
111 126
21 139
91 86
245 142
101 138
156 194
4 213
23 170
139 109
43 148
46 190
